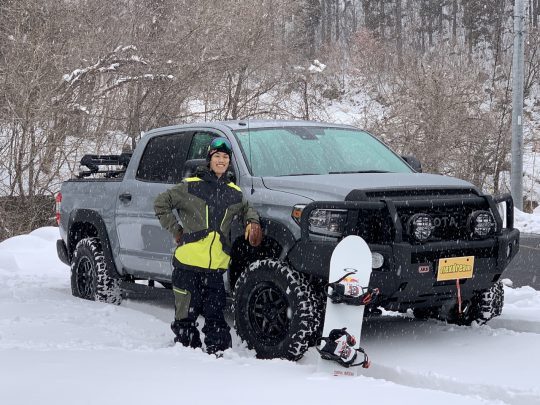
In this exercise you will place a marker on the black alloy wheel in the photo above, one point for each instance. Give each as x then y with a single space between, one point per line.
268 312
85 274
273 310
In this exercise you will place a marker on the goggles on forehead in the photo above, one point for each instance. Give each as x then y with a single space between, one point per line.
220 145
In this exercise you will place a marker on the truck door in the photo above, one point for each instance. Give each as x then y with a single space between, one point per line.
144 247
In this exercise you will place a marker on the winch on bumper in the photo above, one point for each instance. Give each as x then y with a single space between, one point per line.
408 275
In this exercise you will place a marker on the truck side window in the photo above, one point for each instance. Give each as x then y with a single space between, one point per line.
199 149
163 158
199 145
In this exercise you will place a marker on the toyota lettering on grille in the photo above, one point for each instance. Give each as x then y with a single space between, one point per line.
438 221
445 221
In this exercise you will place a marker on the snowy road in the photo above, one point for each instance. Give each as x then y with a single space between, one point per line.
56 349
523 270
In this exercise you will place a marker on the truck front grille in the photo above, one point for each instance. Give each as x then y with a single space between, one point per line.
450 222
450 213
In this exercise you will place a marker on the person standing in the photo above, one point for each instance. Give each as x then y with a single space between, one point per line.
206 205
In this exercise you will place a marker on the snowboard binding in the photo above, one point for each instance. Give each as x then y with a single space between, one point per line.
339 347
349 291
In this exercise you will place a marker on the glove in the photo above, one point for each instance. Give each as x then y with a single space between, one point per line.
178 237
253 234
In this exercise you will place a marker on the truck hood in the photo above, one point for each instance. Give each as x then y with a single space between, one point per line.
335 187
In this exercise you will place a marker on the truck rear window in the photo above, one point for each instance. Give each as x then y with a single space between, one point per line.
163 158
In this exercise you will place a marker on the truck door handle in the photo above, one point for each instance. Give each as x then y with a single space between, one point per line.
125 197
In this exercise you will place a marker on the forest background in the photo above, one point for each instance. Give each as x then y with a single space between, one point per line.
432 78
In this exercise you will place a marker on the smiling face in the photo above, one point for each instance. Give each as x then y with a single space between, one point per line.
219 163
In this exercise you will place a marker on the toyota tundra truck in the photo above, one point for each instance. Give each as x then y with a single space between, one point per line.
439 245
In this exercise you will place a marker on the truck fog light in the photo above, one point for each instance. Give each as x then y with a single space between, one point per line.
481 224
377 260
421 227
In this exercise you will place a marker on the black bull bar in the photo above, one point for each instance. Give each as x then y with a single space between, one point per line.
399 278
392 206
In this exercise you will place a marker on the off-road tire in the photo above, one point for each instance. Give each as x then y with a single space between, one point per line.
318 303
91 277
484 306
273 310
490 303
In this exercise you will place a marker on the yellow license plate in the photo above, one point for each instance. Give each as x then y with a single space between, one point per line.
454 268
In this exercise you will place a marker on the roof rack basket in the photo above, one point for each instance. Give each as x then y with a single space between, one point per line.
93 163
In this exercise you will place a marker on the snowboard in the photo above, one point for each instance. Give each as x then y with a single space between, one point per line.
351 255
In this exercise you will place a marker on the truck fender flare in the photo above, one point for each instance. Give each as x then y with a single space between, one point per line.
280 233
93 218
272 230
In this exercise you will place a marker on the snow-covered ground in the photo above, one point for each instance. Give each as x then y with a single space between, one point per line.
525 222
56 349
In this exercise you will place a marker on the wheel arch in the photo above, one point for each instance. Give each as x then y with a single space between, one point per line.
277 242
85 223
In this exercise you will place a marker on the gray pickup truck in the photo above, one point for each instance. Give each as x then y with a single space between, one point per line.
431 236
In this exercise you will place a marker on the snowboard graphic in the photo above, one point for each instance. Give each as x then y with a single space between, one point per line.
347 292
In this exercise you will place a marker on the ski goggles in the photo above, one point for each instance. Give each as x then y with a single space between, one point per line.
220 145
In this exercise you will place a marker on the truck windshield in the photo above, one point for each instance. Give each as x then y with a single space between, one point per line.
295 150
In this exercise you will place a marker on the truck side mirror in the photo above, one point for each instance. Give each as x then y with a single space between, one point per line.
413 162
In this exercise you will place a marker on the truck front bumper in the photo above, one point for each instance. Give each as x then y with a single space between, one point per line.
408 277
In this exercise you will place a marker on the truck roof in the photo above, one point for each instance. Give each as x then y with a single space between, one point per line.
244 124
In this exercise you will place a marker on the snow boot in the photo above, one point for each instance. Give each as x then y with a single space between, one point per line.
339 347
217 336
216 351
347 290
186 333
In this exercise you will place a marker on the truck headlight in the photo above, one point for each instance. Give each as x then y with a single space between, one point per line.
481 224
421 227
328 222
323 221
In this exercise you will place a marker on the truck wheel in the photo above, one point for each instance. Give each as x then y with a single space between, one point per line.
273 312
484 306
490 303
91 278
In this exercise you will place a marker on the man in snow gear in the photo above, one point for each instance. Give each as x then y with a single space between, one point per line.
206 205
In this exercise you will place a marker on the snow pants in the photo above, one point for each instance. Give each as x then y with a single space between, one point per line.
200 293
